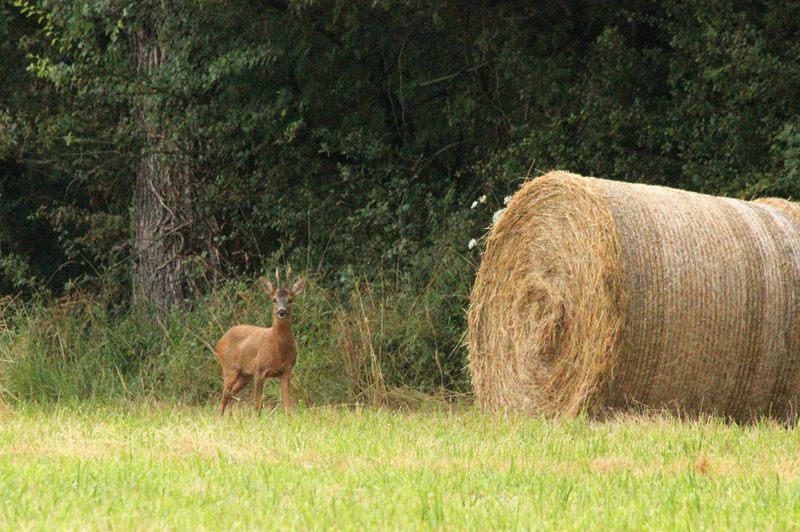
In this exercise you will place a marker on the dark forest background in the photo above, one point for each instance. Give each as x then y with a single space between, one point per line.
156 156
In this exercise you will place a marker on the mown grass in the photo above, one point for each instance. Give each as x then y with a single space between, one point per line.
157 466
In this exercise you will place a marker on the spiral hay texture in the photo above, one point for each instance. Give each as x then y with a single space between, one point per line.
598 296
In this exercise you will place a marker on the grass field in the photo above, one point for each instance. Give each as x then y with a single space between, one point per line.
160 466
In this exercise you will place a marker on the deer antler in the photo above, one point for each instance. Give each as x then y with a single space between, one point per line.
278 276
288 275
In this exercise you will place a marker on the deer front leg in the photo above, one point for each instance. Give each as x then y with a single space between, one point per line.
259 386
285 385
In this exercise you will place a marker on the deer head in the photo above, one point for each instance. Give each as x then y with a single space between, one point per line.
282 296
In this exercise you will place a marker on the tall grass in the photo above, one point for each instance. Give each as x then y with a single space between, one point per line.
379 341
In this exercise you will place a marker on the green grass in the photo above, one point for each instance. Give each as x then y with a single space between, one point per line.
159 466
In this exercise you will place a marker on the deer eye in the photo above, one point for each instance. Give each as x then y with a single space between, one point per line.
290 300
274 300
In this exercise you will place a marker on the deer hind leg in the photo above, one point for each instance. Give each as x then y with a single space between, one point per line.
229 379
240 383
233 383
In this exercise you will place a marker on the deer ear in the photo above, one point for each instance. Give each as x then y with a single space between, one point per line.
299 285
267 285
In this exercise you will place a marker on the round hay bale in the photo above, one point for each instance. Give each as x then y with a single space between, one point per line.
789 208
596 295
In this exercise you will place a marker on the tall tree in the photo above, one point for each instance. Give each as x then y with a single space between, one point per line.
111 61
163 196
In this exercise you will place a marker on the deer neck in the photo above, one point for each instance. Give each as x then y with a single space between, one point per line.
282 336
282 327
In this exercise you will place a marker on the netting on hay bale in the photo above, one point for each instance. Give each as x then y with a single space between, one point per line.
598 295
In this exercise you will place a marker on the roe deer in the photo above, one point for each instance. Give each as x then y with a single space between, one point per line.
247 352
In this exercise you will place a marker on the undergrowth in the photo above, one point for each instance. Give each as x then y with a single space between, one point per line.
380 341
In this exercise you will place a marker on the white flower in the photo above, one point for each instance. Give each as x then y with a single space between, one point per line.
472 243
474 204
482 199
496 216
506 200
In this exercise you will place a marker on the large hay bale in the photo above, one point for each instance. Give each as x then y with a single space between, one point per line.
789 208
598 295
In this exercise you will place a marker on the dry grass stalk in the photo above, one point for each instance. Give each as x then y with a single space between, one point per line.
358 333
598 295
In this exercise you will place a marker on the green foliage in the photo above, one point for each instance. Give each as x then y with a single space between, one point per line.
736 73
343 133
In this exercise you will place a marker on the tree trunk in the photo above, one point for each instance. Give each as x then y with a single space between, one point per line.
163 205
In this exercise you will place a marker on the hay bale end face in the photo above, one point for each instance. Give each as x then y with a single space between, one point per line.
596 296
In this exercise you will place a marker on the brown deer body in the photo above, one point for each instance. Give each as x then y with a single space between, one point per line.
249 353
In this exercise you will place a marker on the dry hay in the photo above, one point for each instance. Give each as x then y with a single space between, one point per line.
789 208
596 296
